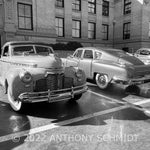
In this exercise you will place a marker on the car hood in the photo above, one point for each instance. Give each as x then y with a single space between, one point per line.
131 60
47 62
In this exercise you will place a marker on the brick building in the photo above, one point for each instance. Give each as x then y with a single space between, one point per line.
122 24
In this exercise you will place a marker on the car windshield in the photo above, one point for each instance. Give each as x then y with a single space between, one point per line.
41 50
31 50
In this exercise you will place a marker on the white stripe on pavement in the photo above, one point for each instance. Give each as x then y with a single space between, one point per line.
16 136
109 98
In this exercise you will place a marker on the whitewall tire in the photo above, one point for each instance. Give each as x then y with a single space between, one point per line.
15 104
102 81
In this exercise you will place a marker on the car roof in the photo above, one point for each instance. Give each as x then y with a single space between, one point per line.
25 43
144 48
101 48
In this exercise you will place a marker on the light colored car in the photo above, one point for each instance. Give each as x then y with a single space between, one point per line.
107 65
143 54
31 72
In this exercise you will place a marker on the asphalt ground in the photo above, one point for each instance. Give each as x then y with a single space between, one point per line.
100 120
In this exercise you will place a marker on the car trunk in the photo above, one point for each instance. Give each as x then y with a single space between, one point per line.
141 70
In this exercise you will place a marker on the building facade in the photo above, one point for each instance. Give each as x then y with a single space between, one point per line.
123 24
27 20
132 24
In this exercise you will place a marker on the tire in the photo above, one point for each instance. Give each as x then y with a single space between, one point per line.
15 104
76 97
102 81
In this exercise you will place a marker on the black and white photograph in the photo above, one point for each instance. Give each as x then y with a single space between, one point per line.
74 74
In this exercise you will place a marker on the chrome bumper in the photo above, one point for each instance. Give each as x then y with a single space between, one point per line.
52 96
134 81
139 80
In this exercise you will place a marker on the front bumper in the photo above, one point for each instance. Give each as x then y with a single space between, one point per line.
133 81
52 96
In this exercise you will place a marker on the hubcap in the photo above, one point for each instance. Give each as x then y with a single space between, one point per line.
102 80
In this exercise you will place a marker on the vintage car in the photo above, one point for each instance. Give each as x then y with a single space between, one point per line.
143 54
107 65
30 72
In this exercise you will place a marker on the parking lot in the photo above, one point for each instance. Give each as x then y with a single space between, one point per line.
110 119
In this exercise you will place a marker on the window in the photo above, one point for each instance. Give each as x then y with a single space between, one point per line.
88 54
76 28
59 23
6 51
25 20
105 31
105 8
91 30
125 49
76 5
126 30
144 52
149 30
127 6
92 6
59 3
41 50
78 54
98 55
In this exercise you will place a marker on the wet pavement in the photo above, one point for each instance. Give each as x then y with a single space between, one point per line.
96 114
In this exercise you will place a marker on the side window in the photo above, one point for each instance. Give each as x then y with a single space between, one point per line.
78 54
137 52
5 52
98 55
144 52
88 54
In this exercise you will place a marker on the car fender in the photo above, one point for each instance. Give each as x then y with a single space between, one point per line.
111 70
71 72
15 85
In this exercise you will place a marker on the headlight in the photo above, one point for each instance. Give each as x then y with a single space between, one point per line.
25 77
79 74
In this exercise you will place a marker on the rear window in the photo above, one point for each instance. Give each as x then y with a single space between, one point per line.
144 52
116 52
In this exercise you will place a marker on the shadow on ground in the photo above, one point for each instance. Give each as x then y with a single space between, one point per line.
11 122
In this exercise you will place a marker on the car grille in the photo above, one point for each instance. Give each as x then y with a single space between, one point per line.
53 82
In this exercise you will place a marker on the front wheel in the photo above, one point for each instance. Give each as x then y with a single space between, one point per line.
15 103
102 81
76 97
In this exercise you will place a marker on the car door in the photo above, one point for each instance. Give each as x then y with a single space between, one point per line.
75 58
85 62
